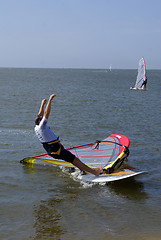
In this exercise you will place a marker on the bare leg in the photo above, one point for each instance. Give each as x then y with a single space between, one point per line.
83 167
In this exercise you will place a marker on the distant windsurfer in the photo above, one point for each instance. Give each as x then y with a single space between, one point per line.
144 83
51 142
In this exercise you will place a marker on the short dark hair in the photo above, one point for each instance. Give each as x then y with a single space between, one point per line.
38 119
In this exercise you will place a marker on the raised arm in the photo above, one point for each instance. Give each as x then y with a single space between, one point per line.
41 110
48 106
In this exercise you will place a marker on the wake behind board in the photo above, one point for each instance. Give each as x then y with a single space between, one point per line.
115 176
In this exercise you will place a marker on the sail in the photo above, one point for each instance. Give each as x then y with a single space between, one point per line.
108 153
141 76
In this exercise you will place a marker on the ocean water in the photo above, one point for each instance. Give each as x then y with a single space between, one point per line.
45 202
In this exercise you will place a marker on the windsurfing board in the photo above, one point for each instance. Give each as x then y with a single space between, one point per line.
115 176
141 89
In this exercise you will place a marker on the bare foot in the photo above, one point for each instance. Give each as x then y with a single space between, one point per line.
98 171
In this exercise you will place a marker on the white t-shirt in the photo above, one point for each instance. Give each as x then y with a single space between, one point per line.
44 133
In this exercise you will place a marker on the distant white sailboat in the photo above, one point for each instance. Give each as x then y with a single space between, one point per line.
109 69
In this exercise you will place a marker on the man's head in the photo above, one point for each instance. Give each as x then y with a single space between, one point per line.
38 119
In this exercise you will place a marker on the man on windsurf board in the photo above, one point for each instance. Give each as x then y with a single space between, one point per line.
51 142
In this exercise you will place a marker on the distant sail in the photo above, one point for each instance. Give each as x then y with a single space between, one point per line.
141 77
109 69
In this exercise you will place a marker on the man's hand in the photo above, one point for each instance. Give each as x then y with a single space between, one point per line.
52 96
43 101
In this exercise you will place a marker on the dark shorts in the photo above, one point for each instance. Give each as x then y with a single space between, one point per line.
57 151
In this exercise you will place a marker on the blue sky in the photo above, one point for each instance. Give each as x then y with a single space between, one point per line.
80 33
